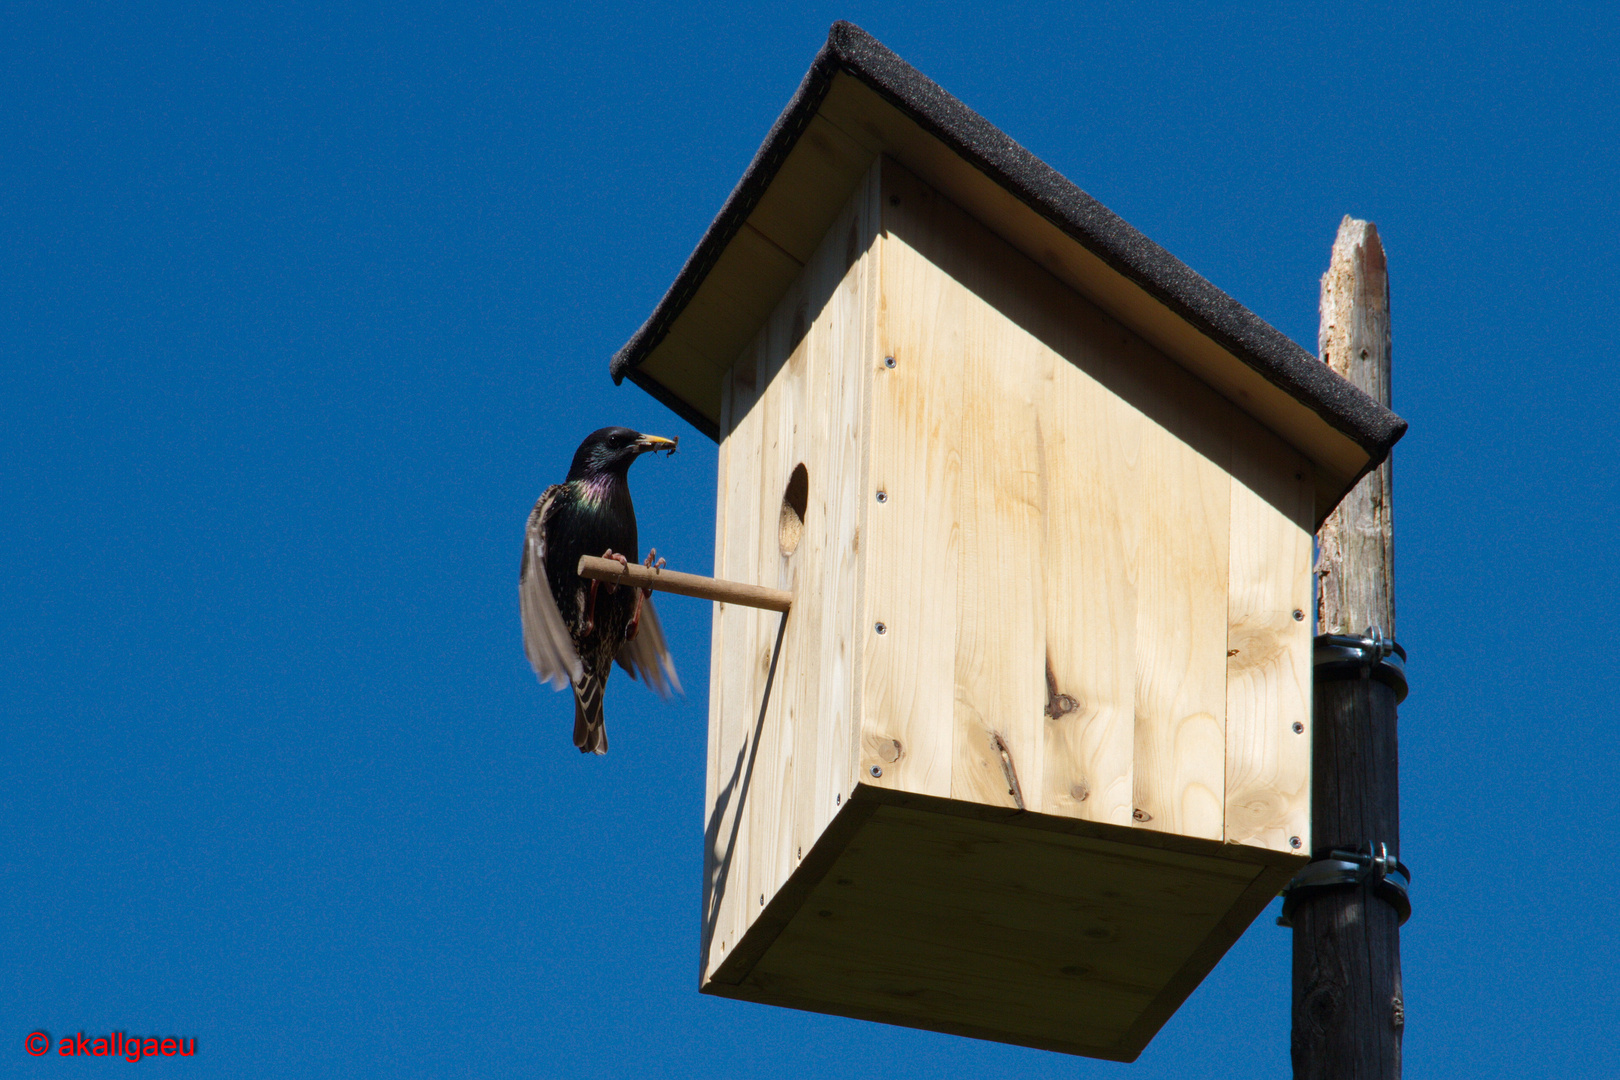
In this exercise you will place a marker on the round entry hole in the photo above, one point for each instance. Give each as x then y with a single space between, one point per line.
795 500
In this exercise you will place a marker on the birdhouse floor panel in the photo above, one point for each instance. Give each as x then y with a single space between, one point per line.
1016 927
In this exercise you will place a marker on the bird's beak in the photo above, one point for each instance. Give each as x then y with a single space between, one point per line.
655 443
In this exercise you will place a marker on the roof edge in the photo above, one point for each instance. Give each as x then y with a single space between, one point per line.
779 142
1123 248
1134 256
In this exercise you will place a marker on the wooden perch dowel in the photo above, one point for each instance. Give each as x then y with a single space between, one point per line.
704 588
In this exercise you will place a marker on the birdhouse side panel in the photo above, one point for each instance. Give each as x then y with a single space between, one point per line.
1062 494
782 704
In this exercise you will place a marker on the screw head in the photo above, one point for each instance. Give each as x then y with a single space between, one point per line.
1299 616
883 496
838 800
1293 841
876 770
1299 728
880 628
888 361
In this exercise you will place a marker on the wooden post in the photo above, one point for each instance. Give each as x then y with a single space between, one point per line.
1348 1011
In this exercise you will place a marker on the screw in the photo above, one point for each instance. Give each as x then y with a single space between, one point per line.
838 800
888 361
761 899
1299 616
1299 728
883 496
876 770
880 628
1293 841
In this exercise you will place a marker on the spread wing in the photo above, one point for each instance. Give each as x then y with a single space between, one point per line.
545 637
647 658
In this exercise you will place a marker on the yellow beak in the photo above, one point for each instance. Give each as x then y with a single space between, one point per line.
655 443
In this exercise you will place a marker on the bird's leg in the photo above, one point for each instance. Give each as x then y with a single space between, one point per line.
590 608
634 625
590 602
642 594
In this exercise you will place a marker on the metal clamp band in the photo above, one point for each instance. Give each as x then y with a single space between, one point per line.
1361 656
1348 869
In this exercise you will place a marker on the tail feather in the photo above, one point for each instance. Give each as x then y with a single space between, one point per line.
590 726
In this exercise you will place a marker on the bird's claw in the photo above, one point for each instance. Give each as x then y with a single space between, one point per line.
650 564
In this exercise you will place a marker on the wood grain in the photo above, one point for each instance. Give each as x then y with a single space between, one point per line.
995 369
1091 450
1180 774
915 463
1268 666
1356 566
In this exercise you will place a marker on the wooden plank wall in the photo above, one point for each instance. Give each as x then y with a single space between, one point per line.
781 763
1086 559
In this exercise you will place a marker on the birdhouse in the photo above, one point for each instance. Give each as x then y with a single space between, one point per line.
1032 746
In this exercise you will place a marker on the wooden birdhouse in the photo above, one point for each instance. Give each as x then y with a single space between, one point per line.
1032 747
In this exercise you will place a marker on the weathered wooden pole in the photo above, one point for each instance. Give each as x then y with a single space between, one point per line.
1348 1011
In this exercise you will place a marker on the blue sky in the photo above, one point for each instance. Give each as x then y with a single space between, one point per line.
302 306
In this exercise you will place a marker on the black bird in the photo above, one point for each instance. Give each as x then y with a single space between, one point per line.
574 628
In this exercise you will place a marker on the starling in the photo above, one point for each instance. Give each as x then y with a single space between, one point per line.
574 628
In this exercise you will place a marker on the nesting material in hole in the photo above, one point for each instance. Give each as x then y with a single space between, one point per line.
790 527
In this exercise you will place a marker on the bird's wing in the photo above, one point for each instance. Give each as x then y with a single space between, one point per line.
545 637
647 658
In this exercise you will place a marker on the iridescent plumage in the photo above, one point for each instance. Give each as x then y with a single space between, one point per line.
574 629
